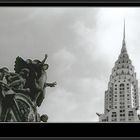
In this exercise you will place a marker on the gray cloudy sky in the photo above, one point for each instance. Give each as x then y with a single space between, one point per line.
82 46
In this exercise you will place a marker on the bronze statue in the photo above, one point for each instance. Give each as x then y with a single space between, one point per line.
36 80
27 83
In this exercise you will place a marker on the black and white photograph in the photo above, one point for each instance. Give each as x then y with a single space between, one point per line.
70 64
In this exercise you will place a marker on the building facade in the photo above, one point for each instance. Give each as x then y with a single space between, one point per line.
121 97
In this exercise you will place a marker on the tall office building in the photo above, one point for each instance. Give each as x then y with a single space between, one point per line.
121 98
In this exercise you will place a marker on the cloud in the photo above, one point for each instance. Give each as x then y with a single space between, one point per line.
64 60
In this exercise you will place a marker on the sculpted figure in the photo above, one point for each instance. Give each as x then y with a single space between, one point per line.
36 81
18 81
40 68
3 72
28 79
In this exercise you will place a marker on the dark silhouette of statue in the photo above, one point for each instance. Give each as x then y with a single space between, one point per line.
17 81
36 80
23 90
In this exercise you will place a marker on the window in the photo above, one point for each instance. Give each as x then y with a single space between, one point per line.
114 114
121 111
130 113
121 95
114 120
122 119
121 85
121 106
104 120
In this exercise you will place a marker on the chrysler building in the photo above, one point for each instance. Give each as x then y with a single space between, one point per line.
121 98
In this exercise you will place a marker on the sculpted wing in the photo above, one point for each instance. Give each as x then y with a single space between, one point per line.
20 64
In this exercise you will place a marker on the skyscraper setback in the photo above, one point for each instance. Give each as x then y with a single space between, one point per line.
121 97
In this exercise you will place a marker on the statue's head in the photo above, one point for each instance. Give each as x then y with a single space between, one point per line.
36 61
5 69
24 72
29 61
3 72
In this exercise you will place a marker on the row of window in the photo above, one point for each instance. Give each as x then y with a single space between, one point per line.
128 73
123 80
121 119
122 106
128 61
123 67
130 113
122 110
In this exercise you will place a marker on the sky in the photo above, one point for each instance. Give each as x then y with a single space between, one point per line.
82 44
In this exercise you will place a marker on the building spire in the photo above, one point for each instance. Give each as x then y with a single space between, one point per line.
124 32
123 43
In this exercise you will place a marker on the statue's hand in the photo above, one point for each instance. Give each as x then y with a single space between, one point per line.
52 84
